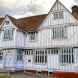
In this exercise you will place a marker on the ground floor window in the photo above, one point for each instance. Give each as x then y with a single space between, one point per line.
19 54
28 52
53 51
66 55
40 56
1 55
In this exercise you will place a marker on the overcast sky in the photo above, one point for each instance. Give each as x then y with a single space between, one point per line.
20 8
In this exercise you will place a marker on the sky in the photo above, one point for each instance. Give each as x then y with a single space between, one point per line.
21 8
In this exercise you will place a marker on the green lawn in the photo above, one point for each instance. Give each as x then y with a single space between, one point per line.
20 75
6 75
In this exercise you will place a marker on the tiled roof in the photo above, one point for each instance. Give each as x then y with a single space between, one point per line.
30 23
1 20
27 23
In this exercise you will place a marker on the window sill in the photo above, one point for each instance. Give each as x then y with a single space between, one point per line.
7 39
32 40
58 39
40 63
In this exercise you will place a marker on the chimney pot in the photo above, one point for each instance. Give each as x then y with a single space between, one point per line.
75 11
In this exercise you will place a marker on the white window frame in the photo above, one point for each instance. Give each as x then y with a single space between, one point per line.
40 57
58 15
32 36
66 56
1 55
7 22
59 33
53 51
8 34
28 52
19 55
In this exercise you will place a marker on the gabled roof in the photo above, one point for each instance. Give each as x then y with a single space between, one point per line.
30 23
27 23
1 20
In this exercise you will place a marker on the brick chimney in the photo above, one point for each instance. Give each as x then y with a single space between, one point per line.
75 11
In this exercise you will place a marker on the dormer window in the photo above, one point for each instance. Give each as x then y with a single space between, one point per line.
58 15
8 34
6 22
32 36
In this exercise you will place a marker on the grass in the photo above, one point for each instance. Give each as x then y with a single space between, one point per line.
8 75
3 75
21 75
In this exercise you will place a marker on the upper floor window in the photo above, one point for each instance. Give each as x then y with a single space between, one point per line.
8 34
6 22
25 34
58 15
59 33
32 36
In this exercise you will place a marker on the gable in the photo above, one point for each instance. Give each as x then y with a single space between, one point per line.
25 24
68 18
7 23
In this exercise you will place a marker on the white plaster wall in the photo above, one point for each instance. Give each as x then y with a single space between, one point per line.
31 65
19 40
28 65
76 58
53 62
45 40
7 43
8 59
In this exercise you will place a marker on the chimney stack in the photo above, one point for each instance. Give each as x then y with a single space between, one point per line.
75 11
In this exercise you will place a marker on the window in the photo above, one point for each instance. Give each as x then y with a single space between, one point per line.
8 34
53 51
58 15
19 55
32 36
66 56
1 55
28 52
40 57
6 22
25 34
59 33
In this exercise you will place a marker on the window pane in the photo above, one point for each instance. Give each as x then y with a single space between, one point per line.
8 34
58 15
6 22
59 33
32 36
66 56
1 55
19 55
40 57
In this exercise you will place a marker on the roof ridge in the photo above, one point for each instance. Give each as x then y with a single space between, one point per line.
32 16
